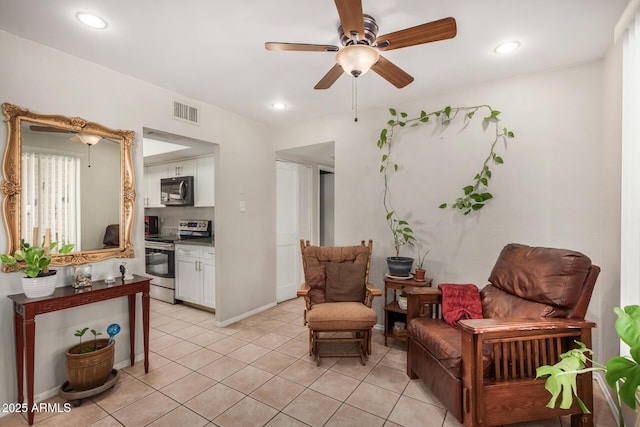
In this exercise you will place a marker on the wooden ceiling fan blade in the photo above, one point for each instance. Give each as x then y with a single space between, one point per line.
300 47
329 78
350 12
37 128
391 73
441 29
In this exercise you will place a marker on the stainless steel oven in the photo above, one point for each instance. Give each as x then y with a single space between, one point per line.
159 254
160 266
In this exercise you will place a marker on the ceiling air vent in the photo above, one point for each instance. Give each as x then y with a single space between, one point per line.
186 113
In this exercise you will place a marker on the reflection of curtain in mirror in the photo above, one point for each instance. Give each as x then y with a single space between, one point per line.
50 191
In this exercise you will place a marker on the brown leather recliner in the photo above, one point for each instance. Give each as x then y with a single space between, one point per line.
483 371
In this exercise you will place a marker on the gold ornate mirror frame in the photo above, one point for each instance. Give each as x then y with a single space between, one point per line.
11 186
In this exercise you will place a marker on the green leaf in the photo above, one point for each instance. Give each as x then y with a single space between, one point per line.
424 119
484 181
628 324
381 168
498 160
402 222
495 113
470 114
403 115
389 215
415 124
562 376
392 111
619 368
395 167
486 196
476 197
467 190
510 134
380 144
437 113
402 124
447 111
385 157
391 122
423 114
477 206
442 206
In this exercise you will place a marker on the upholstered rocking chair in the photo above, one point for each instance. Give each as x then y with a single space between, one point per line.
338 297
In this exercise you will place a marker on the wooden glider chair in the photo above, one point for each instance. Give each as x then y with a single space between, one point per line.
483 370
338 297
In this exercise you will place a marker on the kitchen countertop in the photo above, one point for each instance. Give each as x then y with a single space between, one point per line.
205 241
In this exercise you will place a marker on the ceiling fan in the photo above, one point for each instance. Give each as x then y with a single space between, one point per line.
361 45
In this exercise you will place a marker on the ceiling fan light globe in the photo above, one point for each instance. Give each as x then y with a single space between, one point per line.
356 60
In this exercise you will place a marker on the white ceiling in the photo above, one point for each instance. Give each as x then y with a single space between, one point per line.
213 51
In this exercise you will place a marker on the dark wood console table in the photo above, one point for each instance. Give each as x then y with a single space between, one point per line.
26 309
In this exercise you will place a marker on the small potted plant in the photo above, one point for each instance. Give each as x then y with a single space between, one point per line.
90 363
34 262
621 372
420 271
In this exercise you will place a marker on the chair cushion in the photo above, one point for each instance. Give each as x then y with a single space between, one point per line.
497 303
545 275
350 254
315 277
345 282
444 342
339 316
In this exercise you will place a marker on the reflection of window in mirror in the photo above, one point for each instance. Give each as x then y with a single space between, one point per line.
50 195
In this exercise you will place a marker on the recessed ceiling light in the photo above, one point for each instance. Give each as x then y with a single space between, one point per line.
279 106
507 47
91 20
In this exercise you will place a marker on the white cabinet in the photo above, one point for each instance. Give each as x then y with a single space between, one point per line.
204 182
152 176
182 168
195 274
201 168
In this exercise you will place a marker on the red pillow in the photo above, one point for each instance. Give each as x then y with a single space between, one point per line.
460 302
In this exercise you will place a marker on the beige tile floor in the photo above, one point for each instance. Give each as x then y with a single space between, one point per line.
257 373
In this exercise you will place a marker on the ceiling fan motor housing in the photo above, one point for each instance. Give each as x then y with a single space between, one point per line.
370 33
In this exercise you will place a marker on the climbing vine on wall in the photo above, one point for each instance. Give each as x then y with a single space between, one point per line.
475 195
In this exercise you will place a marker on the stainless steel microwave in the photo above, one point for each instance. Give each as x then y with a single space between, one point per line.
177 191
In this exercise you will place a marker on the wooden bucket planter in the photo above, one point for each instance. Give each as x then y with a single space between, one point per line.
86 371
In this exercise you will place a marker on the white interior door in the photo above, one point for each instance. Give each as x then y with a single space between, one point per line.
293 212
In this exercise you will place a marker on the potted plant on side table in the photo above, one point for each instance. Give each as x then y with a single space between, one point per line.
34 262
402 235
420 272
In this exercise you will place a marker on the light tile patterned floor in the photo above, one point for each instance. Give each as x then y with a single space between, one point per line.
257 373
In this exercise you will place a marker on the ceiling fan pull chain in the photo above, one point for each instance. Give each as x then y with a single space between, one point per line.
354 97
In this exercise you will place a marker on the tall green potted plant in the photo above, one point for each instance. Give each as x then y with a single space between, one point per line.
34 262
621 372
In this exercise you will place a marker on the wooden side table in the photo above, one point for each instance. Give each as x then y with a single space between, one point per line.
26 309
392 311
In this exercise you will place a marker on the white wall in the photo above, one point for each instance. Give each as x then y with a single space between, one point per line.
48 81
549 192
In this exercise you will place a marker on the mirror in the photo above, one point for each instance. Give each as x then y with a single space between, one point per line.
70 178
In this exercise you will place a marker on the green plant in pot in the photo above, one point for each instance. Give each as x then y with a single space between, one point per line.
621 372
402 235
34 262
420 270
89 363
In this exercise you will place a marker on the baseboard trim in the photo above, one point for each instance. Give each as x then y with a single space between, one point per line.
245 315
605 392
